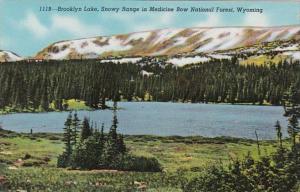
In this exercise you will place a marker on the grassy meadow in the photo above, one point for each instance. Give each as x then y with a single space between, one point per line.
28 162
71 104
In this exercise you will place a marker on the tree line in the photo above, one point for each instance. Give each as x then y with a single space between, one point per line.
45 86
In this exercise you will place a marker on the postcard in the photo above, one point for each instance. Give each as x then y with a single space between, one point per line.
149 95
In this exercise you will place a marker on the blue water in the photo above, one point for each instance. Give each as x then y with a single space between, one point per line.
165 119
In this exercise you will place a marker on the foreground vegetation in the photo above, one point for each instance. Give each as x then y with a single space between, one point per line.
27 157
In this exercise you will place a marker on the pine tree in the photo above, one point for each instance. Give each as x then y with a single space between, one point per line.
75 128
87 154
68 135
290 100
45 99
86 130
293 128
101 145
121 144
112 140
279 133
102 137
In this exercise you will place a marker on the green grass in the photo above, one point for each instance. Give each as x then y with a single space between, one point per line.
263 59
181 157
53 179
77 105
39 149
72 105
173 152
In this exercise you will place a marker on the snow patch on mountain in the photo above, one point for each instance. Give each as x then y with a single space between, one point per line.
219 39
122 60
182 61
180 41
294 54
273 36
136 36
220 56
291 32
164 34
289 48
7 56
88 48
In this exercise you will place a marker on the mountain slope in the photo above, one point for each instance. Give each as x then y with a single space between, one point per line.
8 56
168 42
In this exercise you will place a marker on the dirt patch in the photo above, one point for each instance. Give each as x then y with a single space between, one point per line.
5 143
140 185
3 180
12 168
19 163
6 152
100 42
180 149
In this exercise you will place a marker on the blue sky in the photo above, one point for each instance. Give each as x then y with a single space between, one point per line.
25 30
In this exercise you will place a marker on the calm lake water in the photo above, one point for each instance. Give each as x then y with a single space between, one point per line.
165 119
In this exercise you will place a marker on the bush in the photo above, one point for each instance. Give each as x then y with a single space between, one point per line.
142 164
63 160
279 172
214 180
54 138
27 156
34 163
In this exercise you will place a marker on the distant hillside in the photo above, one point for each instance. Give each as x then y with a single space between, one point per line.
170 42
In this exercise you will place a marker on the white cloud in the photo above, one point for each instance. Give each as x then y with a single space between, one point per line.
32 24
68 24
212 20
167 19
256 19
157 22
4 42
144 22
74 26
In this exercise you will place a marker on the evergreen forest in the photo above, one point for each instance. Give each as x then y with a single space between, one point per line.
45 86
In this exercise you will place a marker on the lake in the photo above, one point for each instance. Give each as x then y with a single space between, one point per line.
165 119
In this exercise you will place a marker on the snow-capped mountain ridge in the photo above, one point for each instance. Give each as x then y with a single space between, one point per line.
168 42
8 56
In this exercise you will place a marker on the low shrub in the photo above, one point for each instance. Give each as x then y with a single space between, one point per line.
141 164
27 156
279 172
63 160
34 163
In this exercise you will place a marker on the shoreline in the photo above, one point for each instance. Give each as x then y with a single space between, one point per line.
192 139
3 112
